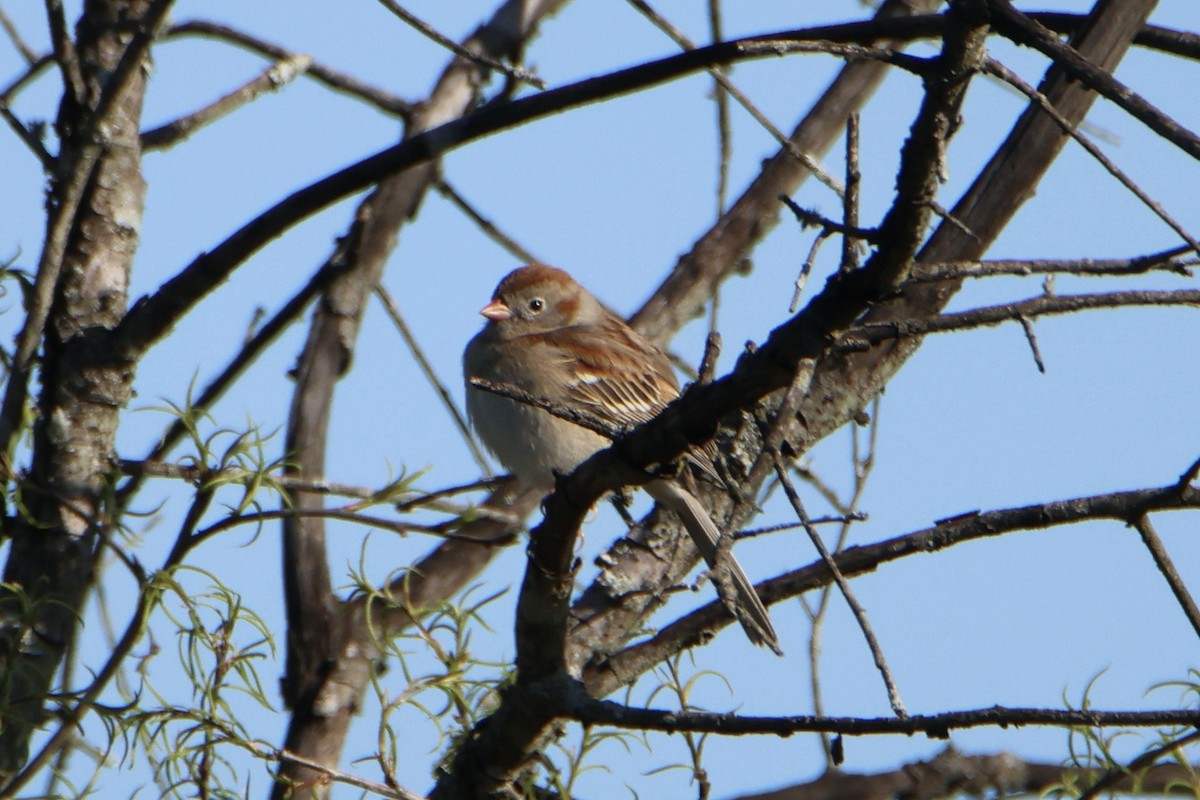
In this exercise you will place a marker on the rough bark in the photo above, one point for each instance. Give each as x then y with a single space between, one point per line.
84 383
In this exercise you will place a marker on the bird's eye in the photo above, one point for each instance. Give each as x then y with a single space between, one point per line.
536 305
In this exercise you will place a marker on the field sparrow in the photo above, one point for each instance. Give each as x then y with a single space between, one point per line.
547 336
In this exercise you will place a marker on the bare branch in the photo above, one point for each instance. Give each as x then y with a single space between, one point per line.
725 86
860 614
1025 31
29 138
724 130
275 77
850 259
338 81
1167 567
403 500
1005 74
25 78
1045 305
393 312
935 726
427 30
489 228
1167 261
811 219
64 50
1031 337
17 40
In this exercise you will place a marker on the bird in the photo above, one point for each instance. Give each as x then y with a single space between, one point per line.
548 337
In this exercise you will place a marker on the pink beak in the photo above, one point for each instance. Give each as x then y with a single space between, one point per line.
496 310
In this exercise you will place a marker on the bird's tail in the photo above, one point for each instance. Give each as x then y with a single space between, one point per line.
733 584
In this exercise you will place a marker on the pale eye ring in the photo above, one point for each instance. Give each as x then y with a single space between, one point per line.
536 305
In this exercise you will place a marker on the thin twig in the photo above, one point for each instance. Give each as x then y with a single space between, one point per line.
250 351
18 41
25 78
721 77
197 475
850 201
844 586
489 228
721 98
1166 261
1031 337
838 519
811 219
1189 475
579 416
393 312
442 530
1044 305
28 137
605 712
863 463
1005 74
511 70
347 778
64 50
334 79
1167 567
782 46
806 269
274 77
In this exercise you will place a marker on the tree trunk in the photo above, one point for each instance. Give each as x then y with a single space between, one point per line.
96 199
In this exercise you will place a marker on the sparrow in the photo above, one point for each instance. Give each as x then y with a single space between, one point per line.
549 337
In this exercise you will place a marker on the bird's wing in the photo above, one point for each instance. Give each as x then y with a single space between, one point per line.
618 375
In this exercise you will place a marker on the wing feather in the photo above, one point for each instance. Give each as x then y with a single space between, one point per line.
620 376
